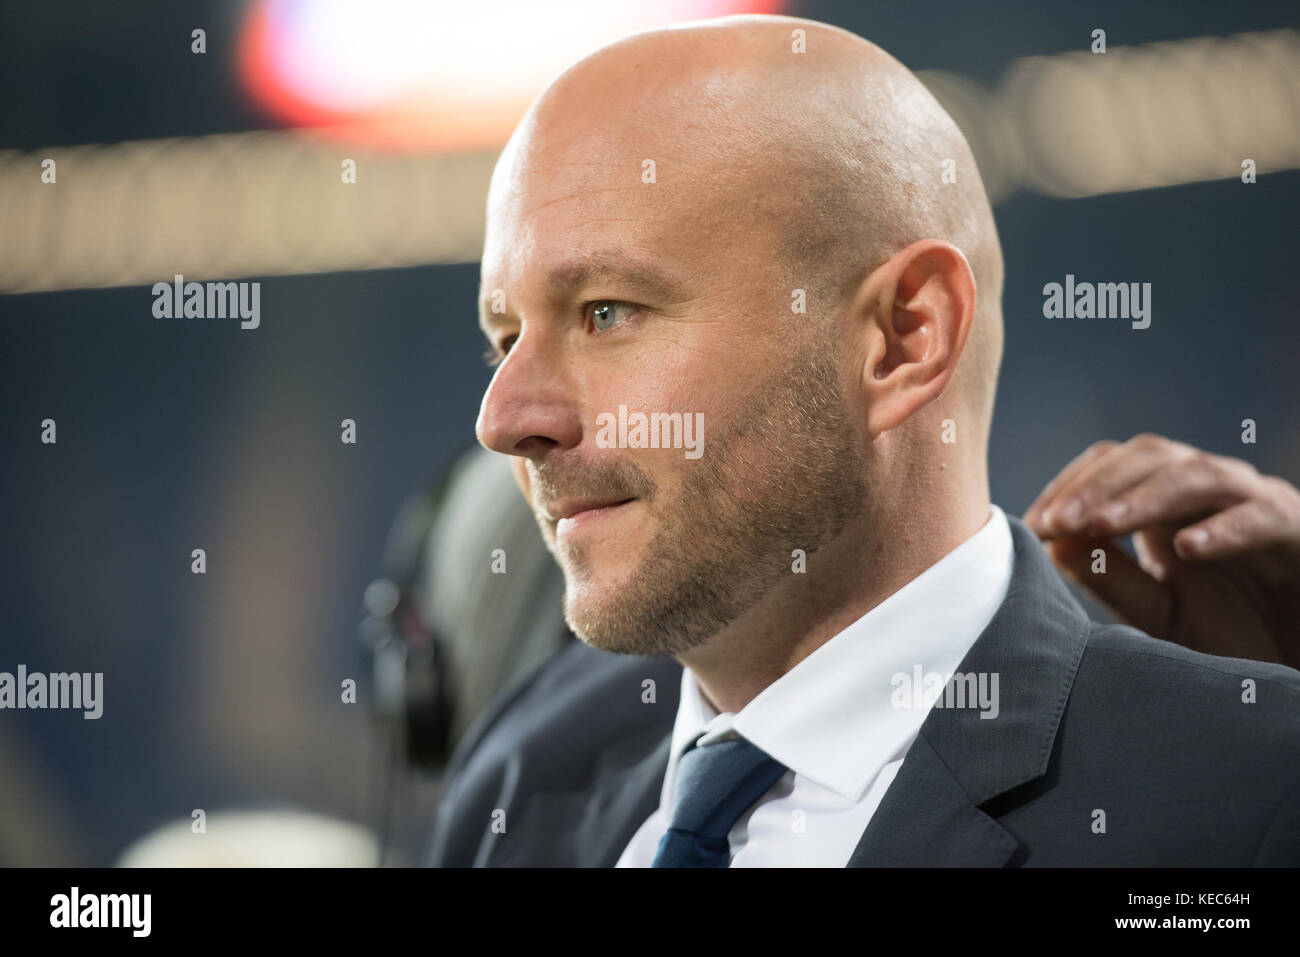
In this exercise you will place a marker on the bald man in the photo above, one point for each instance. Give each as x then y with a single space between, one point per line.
747 343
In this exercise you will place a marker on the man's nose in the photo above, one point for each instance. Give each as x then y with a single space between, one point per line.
529 407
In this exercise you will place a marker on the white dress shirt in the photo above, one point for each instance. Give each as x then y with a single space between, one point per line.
836 718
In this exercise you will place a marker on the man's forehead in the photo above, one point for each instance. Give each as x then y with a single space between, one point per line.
567 239
589 195
622 137
566 229
592 167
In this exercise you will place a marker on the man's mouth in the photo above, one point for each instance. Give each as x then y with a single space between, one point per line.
568 515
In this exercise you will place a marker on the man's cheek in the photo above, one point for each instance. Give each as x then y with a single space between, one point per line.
668 469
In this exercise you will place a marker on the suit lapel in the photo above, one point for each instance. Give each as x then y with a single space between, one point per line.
926 820
931 815
619 805
590 827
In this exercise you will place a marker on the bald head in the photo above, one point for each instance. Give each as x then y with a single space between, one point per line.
794 130
741 225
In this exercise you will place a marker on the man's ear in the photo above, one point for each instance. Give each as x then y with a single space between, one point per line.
915 313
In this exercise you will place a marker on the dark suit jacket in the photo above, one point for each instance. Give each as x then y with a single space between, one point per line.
1093 718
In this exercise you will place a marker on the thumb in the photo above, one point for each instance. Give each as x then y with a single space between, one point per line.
1116 580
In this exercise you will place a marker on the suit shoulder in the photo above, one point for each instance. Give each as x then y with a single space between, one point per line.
1155 688
1121 647
1194 758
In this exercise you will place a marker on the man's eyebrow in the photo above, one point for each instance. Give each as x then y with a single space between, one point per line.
614 266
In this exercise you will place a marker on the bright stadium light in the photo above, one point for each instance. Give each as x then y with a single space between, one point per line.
434 75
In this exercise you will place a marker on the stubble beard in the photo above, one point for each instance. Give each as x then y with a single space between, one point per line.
790 475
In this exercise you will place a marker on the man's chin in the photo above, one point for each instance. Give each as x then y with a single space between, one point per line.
635 617
595 613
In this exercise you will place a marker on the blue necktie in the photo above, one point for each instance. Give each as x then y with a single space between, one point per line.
716 783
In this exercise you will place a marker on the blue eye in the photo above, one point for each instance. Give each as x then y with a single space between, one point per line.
605 313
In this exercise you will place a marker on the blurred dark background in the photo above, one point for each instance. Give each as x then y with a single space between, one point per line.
222 690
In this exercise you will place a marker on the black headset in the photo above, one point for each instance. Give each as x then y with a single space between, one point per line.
424 682
413 697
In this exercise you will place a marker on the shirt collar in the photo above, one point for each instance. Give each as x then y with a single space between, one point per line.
831 718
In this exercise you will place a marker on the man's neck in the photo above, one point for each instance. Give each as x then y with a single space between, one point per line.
844 580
